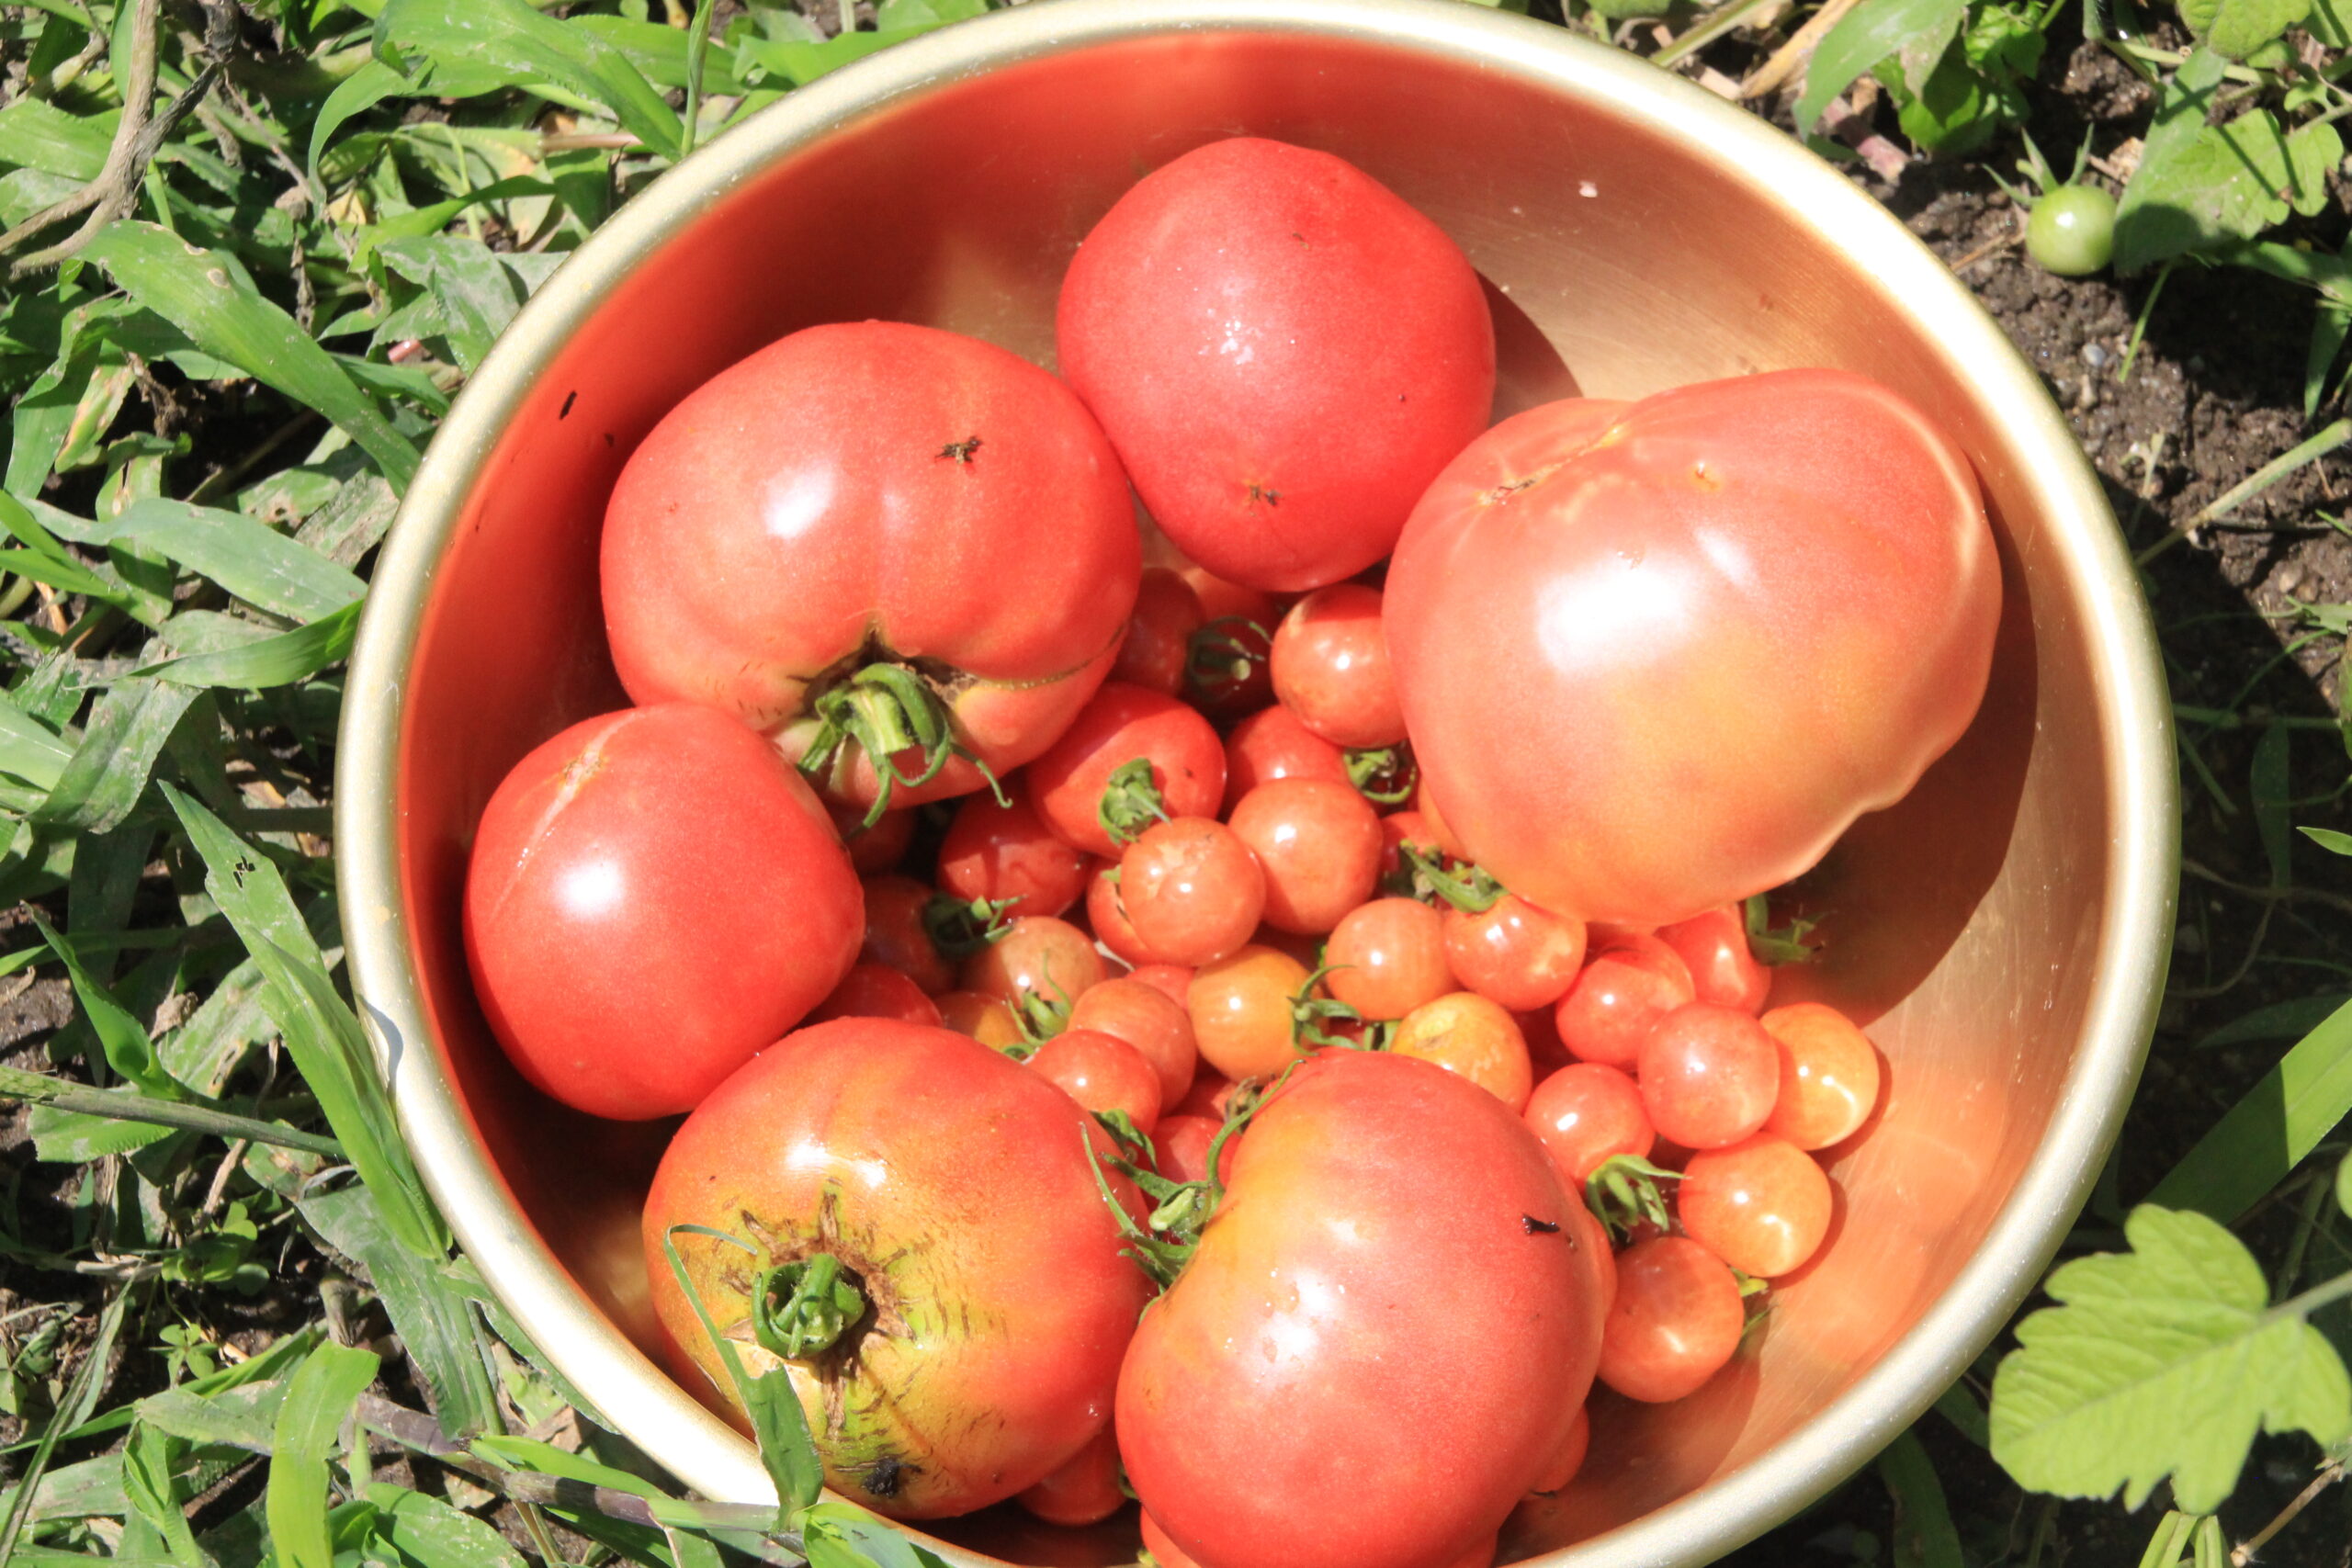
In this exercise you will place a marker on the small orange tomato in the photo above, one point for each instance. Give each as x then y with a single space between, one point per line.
1467 1034
1242 1011
1829 1075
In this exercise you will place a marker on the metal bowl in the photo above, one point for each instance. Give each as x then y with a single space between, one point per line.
2003 931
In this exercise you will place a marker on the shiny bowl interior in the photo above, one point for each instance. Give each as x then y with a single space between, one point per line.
2002 932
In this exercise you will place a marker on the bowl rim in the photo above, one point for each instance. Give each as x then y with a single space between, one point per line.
636 1395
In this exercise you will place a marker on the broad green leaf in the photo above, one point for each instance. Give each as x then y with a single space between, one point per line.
209 296
477 295
435 1319
252 560
1914 32
509 36
431 219
354 94
2327 22
318 1397
2281 1120
151 1459
110 767
35 134
659 52
802 62
428 1533
129 1051
2329 838
2226 184
351 524
2238 28
244 1416
72 1137
2149 225
29 749
272 661
2161 1362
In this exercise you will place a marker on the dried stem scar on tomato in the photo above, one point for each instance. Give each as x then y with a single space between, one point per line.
874 536
1658 658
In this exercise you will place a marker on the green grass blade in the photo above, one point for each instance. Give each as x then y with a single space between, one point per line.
1915 31
435 1319
428 1533
279 660
150 1462
324 1388
83 1392
38 1089
1924 1537
129 1051
253 561
108 772
507 35
209 296
2264 1136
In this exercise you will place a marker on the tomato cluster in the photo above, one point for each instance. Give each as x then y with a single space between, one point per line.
1331 908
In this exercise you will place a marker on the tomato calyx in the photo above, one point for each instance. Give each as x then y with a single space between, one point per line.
1384 774
1169 1236
1310 1015
1623 1195
1131 802
1217 663
885 709
802 1308
960 927
1468 888
1774 945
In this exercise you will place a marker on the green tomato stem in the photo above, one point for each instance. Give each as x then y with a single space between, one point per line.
819 1304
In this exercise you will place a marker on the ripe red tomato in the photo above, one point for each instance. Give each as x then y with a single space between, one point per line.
1083 1492
1282 351
1159 646
1007 853
1242 1011
1657 571
1190 890
1522 956
1618 997
1272 744
876 849
1037 954
1182 1143
1151 1021
857 497
1101 1072
1330 664
1174 979
1570 1459
1724 969
1465 1033
1318 843
945 1181
1386 958
653 895
1829 1075
874 990
1762 1205
1122 724
988 1020
1398 832
1710 1075
1164 1551
1587 1114
896 935
1676 1321
1309 1319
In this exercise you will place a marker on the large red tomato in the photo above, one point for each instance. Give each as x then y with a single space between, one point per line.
950 1187
654 896
1282 351
1386 1334
866 517
1656 658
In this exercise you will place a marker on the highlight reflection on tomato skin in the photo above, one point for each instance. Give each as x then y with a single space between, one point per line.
1338 1327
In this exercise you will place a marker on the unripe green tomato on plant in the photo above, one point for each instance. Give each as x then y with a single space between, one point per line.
2071 230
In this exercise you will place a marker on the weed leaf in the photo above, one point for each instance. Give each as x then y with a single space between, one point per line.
319 1396
2238 28
1914 32
2264 1136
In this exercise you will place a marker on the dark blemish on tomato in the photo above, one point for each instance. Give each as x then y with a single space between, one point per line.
1538 1228
1262 492
569 399
961 451
608 438
885 1476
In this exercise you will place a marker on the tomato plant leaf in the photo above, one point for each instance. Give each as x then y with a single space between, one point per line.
2221 184
2269 1132
2161 1362
2148 222
2238 28
1912 33
322 1392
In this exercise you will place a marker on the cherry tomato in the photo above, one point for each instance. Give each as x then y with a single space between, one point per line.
1318 843
896 935
945 1181
653 897
1174 979
1829 1075
1400 830
988 1020
1223 598
1331 668
1121 725
1191 890
873 990
1676 1321
1467 1034
1283 353
1274 744
876 849
1724 969
2071 230
1710 1075
1085 1490
1587 1114
1309 1318
1242 1011
1207 1096
1386 958
1570 1458
1107 915
1039 954
1159 646
1101 1072
1182 1143
1653 569
1006 853
1231 668
826 530
1761 1205
1519 955
1618 999
1152 1021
